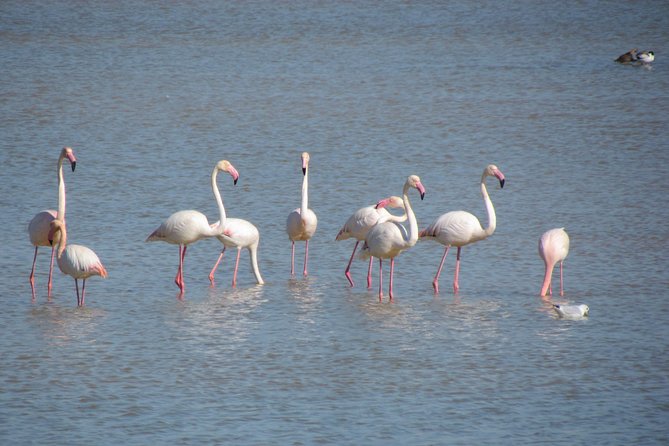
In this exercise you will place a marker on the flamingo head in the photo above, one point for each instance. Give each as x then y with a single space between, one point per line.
58 227
391 202
225 166
493 171
305 162
68 153
414 181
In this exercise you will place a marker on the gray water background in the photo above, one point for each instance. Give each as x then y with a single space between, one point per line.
151 94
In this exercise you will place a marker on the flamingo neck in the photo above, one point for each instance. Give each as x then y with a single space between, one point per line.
218 230
61 189
413 224
490 210
254 263
305 193
388 216
547 279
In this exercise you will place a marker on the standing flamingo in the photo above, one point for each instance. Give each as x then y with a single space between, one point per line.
239 234
40 225
388 239
301 223
460 228
359 224
77 261
553 248
185 227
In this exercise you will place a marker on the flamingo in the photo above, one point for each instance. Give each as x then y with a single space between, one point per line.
359 224
40 225
301 223
77 261
239 234
553 248
185 227
460 228
388 239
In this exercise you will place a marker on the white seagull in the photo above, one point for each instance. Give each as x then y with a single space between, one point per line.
571 311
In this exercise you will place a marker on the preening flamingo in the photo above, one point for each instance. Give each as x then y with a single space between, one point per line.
239 234
77 261
359 224
301 223
388 239
460 228
185 227
40 225
553 248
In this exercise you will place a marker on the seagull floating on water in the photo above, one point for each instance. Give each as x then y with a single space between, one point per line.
571 311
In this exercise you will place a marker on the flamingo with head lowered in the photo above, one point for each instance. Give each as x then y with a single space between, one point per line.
40 225
387 239
185 227
77 261
359 224
553 248
238 233
460 228
301 223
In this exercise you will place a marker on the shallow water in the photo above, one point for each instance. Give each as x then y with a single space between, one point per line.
151 95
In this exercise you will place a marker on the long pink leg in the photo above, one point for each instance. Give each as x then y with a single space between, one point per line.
183 261
76 285
369 273
392 273
561 281
347 273
49 285
32 274
179 280
435 282
456 285
306 257
234 275
380 280
213 270
83 292
292 259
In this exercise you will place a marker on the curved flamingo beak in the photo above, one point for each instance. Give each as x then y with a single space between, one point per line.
73 160
421 189
305 163
234 174
382 203
500 177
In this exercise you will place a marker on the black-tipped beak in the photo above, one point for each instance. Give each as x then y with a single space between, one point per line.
304 171
74 164
50 241
501 183
235 181
422 195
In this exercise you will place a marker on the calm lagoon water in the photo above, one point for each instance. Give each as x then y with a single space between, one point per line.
150 95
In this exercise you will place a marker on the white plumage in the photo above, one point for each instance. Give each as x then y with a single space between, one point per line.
553 248
460 228
358 225
388 239
40 225
302 222
572 311
239 233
